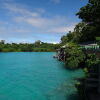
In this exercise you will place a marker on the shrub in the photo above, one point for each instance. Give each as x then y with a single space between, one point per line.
91 60
74 56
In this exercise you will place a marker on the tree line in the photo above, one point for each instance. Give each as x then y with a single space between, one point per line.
38 46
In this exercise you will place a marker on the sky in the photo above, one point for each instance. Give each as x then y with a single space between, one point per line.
31 20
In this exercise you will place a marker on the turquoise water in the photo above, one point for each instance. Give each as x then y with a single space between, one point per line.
35 76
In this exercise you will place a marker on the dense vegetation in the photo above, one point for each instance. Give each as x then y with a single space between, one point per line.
26 47
85 31
89 28
77 58
74 56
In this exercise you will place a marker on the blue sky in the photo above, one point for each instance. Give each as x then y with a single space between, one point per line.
31 20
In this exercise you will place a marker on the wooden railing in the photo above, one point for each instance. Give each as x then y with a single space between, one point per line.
97 47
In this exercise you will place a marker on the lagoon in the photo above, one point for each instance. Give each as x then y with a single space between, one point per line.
35 76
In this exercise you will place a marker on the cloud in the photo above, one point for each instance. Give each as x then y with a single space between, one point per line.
24 22
42 22
36 19
56 1
64 29
15 9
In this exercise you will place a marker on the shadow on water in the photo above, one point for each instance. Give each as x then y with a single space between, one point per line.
73 97
70 97
65 91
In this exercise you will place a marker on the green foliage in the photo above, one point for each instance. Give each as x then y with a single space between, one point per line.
91 64
78 34
91 15
98 40
74 56
90 12
89 28
91 61
35 47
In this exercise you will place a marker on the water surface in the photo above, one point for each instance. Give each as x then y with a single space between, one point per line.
35 76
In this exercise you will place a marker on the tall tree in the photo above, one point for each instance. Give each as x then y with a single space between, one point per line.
91 15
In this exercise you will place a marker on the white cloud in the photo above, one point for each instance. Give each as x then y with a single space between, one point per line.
64 29
11 28
41 22
56 24
26 22
15 9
